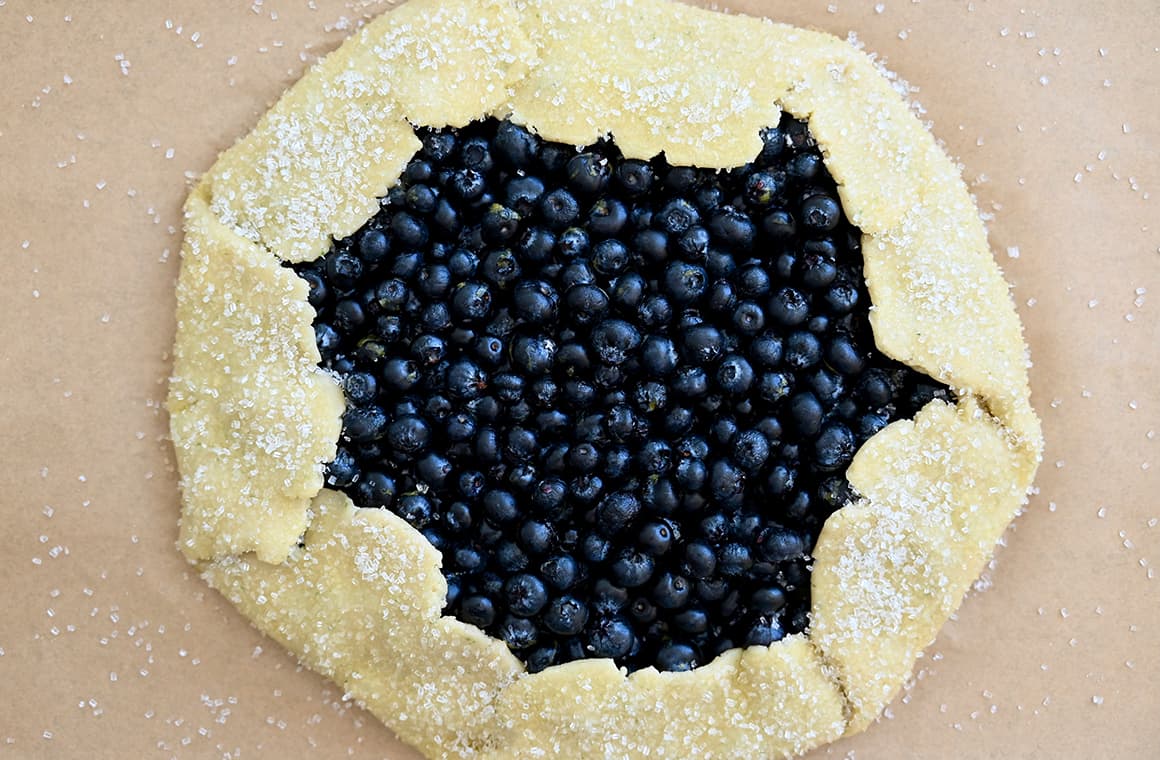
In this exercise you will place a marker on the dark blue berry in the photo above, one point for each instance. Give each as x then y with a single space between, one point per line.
671 591
676 216
632 568
587 173
609 637
518 633
478 611
560 572
684 282
565 616
726 484
636 177
559 209
516 144
734 374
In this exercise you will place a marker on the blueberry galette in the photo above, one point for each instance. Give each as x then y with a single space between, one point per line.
596 379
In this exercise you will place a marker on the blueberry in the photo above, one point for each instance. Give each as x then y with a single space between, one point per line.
541 657
788 307
656 537
445 217
595 549
779 224
691 382
693 243
615 512
408 230
817 270
587 173
375 489
676 216
477 610
373 247
806 413
702 344
734 374
437 145
500 268
525 594
560 572
559 209
802 349
428 349
631 568
586 303
472 301
416 509
734 559
518 633
763 187
750 450
693 621
684 282
671 592
360 387
433 469
636 177
642 611
652 245
655 457
774 386
475 153
614 339
522 194
841 297
843 355
732 228
804 166
659 496
565 616
780 479
607 217
609 257
654 311
500 506
726 484
499 224
827 386
764 632
408 435
516 144
609 637
691 474
834 447
572 244
534 354
748 318
724 429
870 423
466 379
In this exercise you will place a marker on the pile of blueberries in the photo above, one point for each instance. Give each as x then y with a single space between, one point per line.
619 396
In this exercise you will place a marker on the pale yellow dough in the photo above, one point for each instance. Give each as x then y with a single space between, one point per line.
357 594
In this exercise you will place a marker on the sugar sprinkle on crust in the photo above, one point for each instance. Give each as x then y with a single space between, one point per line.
359 596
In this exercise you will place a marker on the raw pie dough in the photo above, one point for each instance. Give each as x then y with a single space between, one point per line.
357 593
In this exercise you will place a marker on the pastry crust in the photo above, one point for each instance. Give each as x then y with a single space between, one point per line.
357 594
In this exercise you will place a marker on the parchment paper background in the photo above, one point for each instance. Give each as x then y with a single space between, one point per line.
111 647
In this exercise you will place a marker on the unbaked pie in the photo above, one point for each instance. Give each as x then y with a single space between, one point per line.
601 379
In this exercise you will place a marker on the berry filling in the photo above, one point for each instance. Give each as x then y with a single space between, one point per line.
619 396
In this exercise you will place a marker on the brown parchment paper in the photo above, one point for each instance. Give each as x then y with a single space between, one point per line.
111 647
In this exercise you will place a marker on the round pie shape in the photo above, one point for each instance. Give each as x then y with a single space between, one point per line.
357 594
